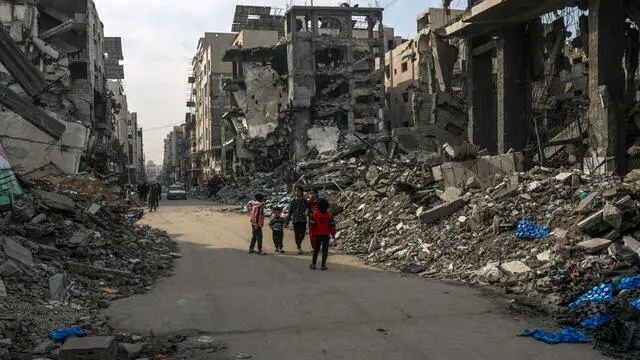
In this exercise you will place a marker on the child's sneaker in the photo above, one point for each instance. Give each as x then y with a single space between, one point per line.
260 252
251 251
324 268
300 252
312 266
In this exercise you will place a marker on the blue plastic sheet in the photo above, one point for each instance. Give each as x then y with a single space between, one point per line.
529 230
595 321
599 294
61 334
636 304
628 283
568 335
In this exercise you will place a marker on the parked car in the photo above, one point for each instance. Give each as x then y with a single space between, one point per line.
176 192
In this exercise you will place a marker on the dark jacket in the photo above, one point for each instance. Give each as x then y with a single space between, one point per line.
298 211
277 224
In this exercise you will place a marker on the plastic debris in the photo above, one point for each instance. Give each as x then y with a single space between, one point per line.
636 304
529 230
61 334
599 294
628 283
567 335
595 321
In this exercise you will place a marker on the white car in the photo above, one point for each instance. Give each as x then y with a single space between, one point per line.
176 192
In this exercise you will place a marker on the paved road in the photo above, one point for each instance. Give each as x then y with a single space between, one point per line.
274 308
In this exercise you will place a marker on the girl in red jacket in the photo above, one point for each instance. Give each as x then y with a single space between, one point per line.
324 228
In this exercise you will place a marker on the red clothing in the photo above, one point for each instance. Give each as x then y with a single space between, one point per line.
323 224
257 215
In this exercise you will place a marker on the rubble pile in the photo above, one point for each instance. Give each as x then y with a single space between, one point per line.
544 236
65 255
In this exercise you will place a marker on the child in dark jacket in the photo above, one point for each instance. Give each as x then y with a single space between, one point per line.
277 228
324 229
298 214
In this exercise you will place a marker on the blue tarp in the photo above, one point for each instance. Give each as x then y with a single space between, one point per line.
599 294
595 321
636 304
568 335
61 334
529 230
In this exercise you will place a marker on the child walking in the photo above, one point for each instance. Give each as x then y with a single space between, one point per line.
298 214
277 228
324 229
257 223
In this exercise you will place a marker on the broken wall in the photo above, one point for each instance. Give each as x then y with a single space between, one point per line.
266 96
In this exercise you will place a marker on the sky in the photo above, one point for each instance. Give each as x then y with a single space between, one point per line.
159 38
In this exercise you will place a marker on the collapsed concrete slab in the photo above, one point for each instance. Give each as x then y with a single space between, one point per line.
483 169
436 213
19 66
29 112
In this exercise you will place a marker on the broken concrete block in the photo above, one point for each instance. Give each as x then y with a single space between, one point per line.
44 347
450 194
595 223
593 246
559 233
97 272
18 252
434 214
544 256
39 219
93 209
610 193
472 183
55 201
564 177
515 268
490 272
58 287
585 204
631 244
10 269
3 289
5 342
79 238
612 215
632 176
130 351
91 347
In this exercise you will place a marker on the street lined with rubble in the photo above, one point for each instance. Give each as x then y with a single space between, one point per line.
273 307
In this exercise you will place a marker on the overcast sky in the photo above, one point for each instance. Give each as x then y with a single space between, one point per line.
160 37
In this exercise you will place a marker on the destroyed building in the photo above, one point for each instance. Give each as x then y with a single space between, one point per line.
55 107
555 79
311 91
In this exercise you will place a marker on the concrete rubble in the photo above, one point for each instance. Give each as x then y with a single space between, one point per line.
69 247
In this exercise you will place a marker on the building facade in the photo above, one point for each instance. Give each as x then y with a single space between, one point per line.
174 156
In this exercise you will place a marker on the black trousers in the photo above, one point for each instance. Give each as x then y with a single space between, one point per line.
256 238
300 231
278 238
321 242
153 203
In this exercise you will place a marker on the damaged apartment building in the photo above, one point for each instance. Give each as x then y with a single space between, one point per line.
555 79
53 102
310 92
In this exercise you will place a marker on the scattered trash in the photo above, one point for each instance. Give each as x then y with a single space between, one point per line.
567 335
61 334
243 356
384 331
529 230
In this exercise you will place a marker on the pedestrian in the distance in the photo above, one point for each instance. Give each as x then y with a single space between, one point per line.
324 229
277 224
312 206
153 199
158 194
257 223
298 214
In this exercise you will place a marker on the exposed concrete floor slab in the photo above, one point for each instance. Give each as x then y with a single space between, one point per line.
274 307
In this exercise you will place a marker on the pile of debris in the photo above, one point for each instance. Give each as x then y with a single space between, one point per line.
65 255
544 236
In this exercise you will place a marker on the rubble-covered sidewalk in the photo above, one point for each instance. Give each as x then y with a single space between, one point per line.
69 247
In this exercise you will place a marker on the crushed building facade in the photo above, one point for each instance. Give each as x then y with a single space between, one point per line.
57 113
309 92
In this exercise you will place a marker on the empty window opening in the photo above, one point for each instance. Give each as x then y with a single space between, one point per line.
405 66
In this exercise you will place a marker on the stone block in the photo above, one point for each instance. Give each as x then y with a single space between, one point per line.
44 347
10 269
515 268
79 238
585 204
436 213
450 194
593 246
91 347
58 287
130 351
631 244
18 252
55 201
564 177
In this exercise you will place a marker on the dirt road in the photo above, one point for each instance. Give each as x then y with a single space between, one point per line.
274 308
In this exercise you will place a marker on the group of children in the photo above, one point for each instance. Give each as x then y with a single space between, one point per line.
314 211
